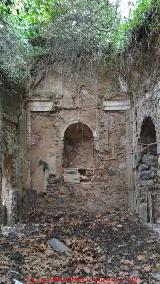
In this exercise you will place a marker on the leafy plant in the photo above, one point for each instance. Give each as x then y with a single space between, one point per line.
66 30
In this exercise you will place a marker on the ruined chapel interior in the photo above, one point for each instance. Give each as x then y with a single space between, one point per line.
82 139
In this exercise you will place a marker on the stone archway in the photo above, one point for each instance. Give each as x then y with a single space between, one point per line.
78 146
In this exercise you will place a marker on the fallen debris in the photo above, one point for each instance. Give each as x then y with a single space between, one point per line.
59 246
84 244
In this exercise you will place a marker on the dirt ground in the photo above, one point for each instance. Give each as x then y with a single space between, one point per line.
112 245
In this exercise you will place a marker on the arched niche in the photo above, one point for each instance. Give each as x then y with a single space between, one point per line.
147 169
148 135
78 146
147 141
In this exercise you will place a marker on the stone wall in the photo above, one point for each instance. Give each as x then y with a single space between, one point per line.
147 162
13 184
9 143
144 89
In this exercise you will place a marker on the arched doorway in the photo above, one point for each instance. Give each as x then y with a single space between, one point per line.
78 146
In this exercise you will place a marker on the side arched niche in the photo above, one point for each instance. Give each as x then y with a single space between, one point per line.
148 143
78 146
147 170
148 135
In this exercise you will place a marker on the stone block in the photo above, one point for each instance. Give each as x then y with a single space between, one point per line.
143 167
59 247
155 276
145 183
150 160
145 175
71 176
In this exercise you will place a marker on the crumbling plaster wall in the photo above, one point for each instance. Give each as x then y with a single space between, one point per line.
79 98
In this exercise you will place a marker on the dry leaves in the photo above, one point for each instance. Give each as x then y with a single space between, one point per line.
99 244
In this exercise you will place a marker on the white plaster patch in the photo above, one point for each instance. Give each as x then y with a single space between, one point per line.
116 105
40 105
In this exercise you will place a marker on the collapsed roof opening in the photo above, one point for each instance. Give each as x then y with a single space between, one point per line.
78 146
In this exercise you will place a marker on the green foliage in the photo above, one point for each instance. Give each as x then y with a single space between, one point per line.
86 29
156 8
3 9
33 16
21 23
146 14
138 15
17 53
66 30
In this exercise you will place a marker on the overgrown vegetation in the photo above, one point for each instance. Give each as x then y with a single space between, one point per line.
144 20
67 30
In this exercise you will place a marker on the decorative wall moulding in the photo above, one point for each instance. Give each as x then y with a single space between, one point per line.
40 105
116 105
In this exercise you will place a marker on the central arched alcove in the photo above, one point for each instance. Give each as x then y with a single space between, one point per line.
78 146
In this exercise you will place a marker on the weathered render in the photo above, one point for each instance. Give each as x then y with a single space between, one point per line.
77 129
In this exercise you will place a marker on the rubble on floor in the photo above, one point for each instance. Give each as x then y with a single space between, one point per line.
112 244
